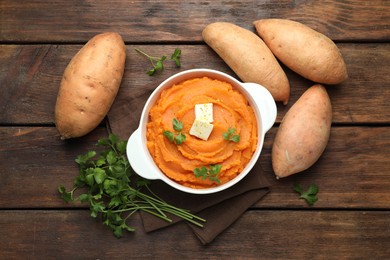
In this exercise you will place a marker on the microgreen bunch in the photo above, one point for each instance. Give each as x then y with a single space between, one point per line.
112 190
230 136
210 173
310 195
158 62
177 138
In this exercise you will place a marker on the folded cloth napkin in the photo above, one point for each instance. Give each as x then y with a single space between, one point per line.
220 209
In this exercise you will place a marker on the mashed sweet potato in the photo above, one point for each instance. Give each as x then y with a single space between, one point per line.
230 110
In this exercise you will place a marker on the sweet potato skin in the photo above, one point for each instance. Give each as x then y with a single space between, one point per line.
89 85
303 133
309 53
248 56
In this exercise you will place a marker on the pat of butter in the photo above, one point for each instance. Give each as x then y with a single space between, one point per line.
204 112
201 129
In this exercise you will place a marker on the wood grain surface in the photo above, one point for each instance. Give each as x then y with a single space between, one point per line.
351 173
166 21
351 219
295 235
33 74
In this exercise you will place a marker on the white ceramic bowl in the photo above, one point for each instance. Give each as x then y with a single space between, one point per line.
259 98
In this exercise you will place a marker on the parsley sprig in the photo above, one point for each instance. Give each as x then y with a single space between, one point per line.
114 192
177 138
210 173
230 136
158 62
176 55
310 195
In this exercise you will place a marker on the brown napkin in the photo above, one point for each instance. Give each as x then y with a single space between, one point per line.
219 209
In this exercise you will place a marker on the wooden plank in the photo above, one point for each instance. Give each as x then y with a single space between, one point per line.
352 173
265 234
34 162
30 76
152 21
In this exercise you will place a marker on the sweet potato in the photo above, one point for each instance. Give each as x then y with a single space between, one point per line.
89 85
309 53
303 133
248 56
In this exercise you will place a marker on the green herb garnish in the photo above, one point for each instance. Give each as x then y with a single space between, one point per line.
179 138
176 57
230 136
158 63
310 195
177 125
114 192
210 173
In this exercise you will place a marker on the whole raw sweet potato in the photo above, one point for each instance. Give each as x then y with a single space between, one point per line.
248 56
307 52
303 133
89 85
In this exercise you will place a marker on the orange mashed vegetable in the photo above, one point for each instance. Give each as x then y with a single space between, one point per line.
230 109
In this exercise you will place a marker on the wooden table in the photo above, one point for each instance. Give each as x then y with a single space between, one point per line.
352 216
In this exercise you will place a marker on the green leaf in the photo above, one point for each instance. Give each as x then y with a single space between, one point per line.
84 197
111 157
100 162
215 179
97 196
151 71
310 199
298 188
177 125
90 179
229 135
180 138
96 208
114 202
235 138
113 138
117 170
215 169
159 64
109 185
83 159
80 181
313 189
66 196
118 231
90 155
121 146
103 142
201 172
176 55
99 175
211 173
126 227
310 195
169 135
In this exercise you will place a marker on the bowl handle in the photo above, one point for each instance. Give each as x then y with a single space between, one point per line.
138 155
265 102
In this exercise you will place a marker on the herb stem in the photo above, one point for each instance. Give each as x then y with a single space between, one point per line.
147 55
110 192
